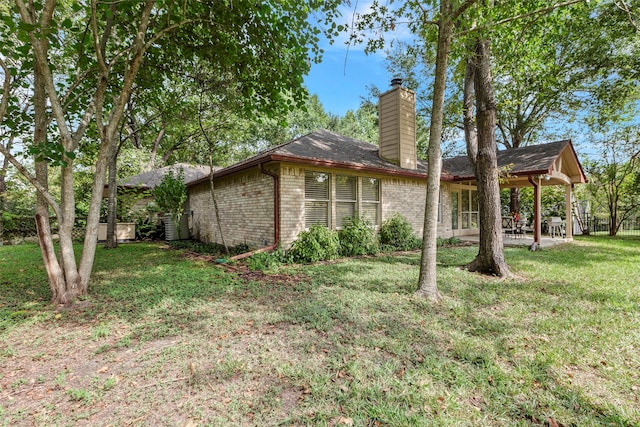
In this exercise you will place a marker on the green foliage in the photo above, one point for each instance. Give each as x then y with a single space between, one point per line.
317 244
18 226
397 234
265 261
448 241
215 249
171 193
358 237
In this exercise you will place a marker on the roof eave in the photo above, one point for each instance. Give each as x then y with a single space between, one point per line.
327 163
312 162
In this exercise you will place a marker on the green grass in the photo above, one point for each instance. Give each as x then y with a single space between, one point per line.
163 339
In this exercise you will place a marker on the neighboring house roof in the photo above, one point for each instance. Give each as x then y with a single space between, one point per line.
529 160
326 148
149 180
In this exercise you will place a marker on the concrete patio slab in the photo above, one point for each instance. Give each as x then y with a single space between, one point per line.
509 240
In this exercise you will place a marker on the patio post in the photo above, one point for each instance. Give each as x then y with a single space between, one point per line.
569 216
537 201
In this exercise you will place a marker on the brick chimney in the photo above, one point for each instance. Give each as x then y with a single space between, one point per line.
397 125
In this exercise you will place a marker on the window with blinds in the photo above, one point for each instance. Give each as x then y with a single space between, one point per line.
316 198
346 198
370 200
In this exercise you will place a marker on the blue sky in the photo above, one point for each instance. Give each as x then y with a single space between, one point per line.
341 79
339 85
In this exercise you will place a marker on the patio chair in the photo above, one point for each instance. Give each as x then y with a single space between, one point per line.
556 226
508 226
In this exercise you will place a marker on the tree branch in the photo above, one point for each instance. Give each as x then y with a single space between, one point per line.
4 103
522 16
625 8
32 179
460 10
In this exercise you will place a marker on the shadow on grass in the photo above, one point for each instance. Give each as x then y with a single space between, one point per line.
359 308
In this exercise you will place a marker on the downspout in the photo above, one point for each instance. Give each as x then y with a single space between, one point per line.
536 214
276 216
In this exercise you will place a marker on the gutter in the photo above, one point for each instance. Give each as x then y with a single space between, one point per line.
312 162
276 216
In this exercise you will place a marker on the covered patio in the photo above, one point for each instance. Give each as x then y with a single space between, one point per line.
554 163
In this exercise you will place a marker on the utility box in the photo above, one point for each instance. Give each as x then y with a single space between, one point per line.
171 230
124 231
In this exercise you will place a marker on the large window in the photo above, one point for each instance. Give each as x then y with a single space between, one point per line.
316 198
346 198
371 200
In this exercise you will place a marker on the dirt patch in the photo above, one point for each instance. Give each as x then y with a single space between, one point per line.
65 375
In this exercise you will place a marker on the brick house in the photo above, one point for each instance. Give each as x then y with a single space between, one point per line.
324 178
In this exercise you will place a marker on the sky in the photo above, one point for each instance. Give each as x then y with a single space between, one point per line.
341 79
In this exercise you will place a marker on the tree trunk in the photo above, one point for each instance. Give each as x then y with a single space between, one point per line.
3 191
514 200
215 208
55 273
490 258
427 283
112 214
71 280
151 164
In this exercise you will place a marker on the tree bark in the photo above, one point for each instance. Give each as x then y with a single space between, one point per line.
490 258
215 208
55 273
514 200
427 283
3 189
112 204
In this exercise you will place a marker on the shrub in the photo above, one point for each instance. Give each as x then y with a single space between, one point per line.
358 238
317 244
264 261
448 241
396 233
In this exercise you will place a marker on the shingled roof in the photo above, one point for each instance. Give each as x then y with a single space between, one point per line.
329 149
326 148
149 180
530 160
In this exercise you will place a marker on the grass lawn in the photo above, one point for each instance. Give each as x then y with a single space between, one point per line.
169 339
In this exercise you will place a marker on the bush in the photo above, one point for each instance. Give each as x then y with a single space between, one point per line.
317 244
448 241
358 238
397 233
264 261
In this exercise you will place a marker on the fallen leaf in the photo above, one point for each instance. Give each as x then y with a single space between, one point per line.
345 421
553 423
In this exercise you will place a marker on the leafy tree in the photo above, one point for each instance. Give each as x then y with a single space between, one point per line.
614 178
171 195
548 65
102 47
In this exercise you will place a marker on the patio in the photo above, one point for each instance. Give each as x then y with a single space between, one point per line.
526 240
